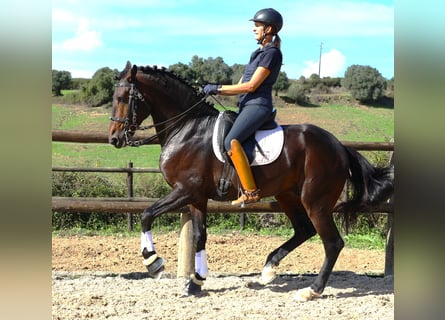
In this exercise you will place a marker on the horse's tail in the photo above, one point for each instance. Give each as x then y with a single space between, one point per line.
370 185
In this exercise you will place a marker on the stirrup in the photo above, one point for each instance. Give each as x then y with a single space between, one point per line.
247 197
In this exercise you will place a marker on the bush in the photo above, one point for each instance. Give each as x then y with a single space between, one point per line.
297 92
99 90
366 84
72 98
79 184
68 184
151 186
321 88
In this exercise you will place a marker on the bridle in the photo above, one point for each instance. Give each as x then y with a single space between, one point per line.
131 125
130 120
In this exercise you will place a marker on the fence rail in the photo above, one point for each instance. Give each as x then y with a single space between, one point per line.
101 137
138 205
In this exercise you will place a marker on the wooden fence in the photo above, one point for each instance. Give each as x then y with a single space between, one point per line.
132 205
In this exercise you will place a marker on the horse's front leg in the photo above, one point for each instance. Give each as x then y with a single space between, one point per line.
199 213
176 199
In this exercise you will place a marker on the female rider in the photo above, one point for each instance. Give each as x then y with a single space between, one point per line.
255 97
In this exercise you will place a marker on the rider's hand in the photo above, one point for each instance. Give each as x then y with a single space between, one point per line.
212 89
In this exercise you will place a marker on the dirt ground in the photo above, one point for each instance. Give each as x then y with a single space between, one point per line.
103 278
228 253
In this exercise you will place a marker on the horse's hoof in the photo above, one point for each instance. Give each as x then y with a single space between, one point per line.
155 268
267 275
191 289
306 294
193 286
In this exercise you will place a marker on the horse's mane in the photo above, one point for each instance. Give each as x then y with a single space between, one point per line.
176 85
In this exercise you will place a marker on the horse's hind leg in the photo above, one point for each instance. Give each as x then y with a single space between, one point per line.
303 229
320 213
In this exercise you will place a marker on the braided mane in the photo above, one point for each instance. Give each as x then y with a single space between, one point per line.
176 85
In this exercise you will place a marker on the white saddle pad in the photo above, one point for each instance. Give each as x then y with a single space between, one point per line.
270 141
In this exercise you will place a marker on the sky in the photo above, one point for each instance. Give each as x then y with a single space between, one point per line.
89 35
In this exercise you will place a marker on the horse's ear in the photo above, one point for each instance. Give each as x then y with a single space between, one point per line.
128 65
134 69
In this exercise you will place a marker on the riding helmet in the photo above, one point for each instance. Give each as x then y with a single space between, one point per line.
269 17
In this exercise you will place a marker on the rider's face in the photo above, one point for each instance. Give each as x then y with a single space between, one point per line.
258 30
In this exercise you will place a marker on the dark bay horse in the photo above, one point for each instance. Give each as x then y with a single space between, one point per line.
306 179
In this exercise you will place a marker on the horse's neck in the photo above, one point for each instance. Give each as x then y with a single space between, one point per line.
182 126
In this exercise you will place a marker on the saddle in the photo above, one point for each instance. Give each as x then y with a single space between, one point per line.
268 139
227 118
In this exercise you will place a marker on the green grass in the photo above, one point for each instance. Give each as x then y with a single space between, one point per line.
66 92
103 155
90 154
347 123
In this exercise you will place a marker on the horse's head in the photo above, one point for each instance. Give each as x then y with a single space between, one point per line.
129 108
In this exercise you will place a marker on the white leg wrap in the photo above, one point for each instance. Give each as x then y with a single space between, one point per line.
201 263
147 241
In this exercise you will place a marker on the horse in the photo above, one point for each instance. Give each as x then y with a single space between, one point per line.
306 179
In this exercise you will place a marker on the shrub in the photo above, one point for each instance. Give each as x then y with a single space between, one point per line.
99 90
79 184
365 83
297 92
68 184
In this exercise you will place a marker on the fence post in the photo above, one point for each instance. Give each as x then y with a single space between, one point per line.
186 250
130 195
389 252
242 220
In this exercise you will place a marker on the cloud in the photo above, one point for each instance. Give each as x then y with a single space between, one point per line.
332 63
61 15
87 74
85 39
339 18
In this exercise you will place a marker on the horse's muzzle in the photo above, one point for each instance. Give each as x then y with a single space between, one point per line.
115 141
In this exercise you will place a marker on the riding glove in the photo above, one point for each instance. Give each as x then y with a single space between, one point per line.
211 89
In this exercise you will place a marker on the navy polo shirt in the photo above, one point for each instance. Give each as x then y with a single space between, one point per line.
271 58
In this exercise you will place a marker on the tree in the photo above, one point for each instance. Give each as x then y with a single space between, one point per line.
211 70
184 71
237 72
282 83
365 83
331 82
60 80
200 71
100 88
390 87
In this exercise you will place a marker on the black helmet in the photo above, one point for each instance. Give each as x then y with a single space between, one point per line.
269 17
